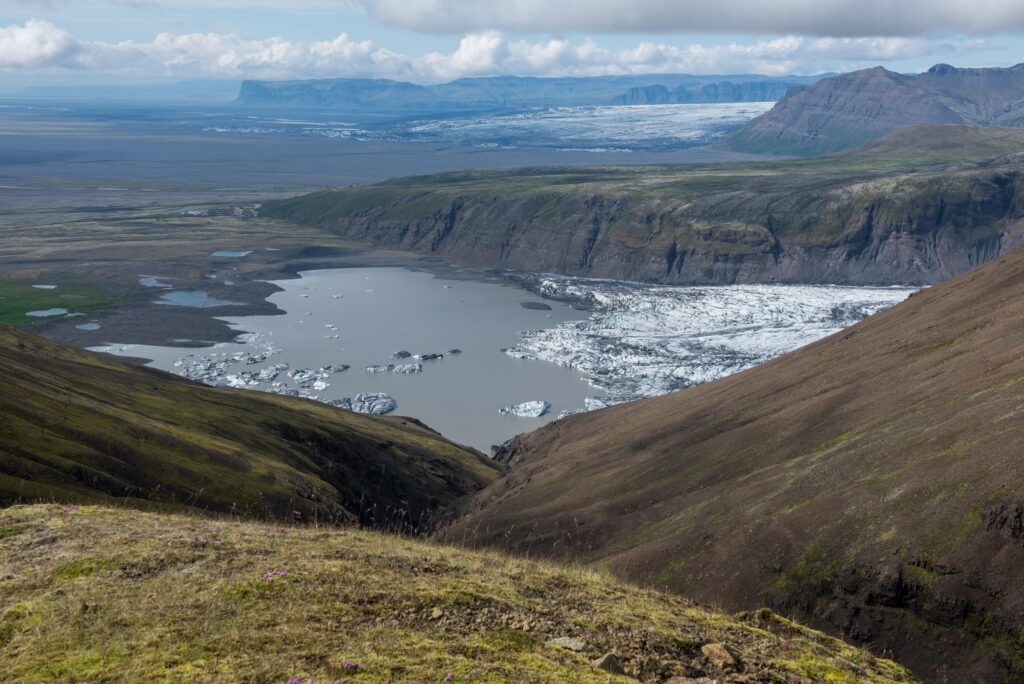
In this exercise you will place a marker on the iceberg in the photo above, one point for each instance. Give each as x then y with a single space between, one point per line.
528 409
376 403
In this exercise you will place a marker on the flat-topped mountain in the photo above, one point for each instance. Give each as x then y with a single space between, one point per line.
852 109
79 426
920 206
515 91
869 483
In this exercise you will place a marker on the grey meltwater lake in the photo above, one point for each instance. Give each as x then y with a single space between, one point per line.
376 312
629 341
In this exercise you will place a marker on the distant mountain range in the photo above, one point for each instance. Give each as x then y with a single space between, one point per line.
516 92
852 109
723 91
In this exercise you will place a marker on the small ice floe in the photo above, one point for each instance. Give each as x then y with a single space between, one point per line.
570 412
528 409
320 386
46 313
331 326
370 291
230 254
395 368
301 375
377 403
336 296
87 327
336 368
239 381
407 368
447 287
45 287
453 352
401 354
428 357
304 296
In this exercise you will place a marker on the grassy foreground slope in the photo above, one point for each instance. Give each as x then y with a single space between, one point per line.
100 594
922 205
871 483
79 426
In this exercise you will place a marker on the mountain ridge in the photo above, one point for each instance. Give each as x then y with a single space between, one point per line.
844 111
496 92
924 204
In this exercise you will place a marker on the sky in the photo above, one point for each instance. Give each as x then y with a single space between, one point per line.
429 41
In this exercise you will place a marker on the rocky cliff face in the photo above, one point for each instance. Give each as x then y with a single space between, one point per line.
914 227
852 109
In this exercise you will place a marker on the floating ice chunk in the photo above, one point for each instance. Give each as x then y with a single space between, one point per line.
336 368
320 385
385 368
570 412
401 354
377 403
528 409
407 368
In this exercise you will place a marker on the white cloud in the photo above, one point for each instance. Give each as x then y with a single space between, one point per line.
837 18
34 44
38 45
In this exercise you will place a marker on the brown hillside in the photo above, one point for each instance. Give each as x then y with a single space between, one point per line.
871 483
78 426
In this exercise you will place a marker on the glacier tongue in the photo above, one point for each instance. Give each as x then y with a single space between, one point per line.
647 340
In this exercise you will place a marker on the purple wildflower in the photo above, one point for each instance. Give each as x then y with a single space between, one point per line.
449 677
349 665
294 680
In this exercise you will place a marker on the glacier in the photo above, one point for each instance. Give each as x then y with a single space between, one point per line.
647 340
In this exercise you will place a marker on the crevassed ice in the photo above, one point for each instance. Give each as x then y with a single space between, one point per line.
644 341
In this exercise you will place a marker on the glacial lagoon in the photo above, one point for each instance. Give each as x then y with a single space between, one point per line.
482 361
361 317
